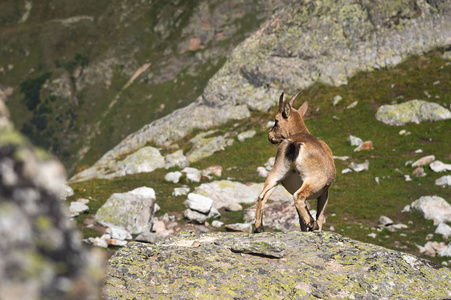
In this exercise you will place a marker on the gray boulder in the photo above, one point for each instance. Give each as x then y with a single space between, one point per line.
415 111
132 211
312 265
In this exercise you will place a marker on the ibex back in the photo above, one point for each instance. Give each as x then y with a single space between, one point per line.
304 165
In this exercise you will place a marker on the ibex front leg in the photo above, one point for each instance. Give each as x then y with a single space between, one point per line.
262 198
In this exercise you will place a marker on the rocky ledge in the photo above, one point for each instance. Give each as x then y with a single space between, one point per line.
271 265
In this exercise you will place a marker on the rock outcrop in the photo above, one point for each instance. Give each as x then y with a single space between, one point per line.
291 265
303 43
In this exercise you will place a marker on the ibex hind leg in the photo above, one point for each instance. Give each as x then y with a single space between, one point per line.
321 207
306 220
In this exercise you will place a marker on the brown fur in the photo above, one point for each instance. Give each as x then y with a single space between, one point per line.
304 166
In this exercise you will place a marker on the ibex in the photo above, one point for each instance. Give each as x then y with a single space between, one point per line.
304 165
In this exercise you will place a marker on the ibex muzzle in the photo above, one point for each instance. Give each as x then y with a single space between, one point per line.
304 165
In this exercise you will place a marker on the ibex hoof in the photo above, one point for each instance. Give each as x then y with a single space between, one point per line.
312 226
259 229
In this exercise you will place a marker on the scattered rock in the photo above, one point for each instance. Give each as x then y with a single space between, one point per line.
385 221
98 242
234 207
146 159
352 105
173 176
419 172
444 230
262 172
431 248
199 203
342 158
239 227
360 167
68 192
425 160
438 166
415 111
432 208
192 174
336 100
149 237
194 216
270 163
176 159
212 170
76 208
373 235
269 248
181 191
246 135
368 145
118 233
444 180
217 224
132 211
355 141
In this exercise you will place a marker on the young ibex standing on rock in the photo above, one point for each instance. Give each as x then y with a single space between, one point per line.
304 165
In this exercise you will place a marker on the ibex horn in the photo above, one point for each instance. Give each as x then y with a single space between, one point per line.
281 102
294 98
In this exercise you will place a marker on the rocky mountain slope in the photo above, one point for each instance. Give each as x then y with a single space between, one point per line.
82 76
303 43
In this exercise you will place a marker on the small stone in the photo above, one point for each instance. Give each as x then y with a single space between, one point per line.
444 230
192 174
433 208
368 145
214 213
158 227
114 242
262 172
352 105
402 132
215 170
373 235
194 216
354 141
239 227
173 177
270 124
118 233
438 166
385 221
246 135
270 163
77 208
149 237
98 242
342 158
199 203
444 180
360 167
424 161
419 151
407 178
347 170
234 207
419 172
336 100
181 191
217 224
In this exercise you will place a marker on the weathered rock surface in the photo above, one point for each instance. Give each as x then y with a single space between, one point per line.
132 211
312 265
415 111
303 43
41 254
277 215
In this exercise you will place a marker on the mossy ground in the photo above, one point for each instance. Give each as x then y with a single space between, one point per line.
356 200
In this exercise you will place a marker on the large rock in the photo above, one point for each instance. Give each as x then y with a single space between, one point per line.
132 211
41 254
277 215
303 43
415 111
242 266
432 208
224 192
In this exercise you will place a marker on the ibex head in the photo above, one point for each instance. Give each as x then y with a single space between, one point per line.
288 120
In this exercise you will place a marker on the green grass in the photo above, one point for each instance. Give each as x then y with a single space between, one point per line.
356 200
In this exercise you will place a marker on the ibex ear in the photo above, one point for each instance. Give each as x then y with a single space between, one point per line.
281 103
303 109
286 111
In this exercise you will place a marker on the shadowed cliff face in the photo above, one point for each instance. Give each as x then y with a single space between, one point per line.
274 265
86 75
